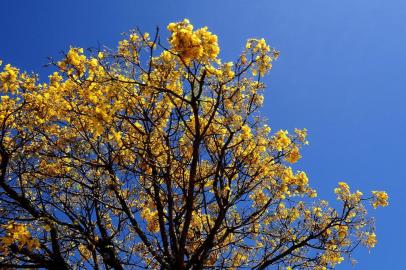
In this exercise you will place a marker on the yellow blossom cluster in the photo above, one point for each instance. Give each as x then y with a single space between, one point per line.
293 155
295 183
370 239
8 78
19 235
128 48
332 256
84 252
192 45
380 199
343 193
151 217
74 64
282 140
263 59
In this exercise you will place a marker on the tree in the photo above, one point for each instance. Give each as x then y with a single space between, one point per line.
154 156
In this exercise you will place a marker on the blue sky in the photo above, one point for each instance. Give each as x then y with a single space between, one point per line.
341 75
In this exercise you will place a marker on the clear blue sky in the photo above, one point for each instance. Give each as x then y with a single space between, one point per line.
341 74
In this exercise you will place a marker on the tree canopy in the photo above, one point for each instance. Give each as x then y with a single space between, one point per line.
154 155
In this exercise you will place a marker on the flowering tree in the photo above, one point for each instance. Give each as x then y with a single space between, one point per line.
154 156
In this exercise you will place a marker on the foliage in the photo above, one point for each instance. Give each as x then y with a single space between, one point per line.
156 157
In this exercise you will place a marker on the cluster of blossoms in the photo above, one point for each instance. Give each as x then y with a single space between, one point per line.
193 45
380 198
8 78
263 59
19 235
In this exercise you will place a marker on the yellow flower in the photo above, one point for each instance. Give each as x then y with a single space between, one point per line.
370 240
193 45
293 156
380 199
